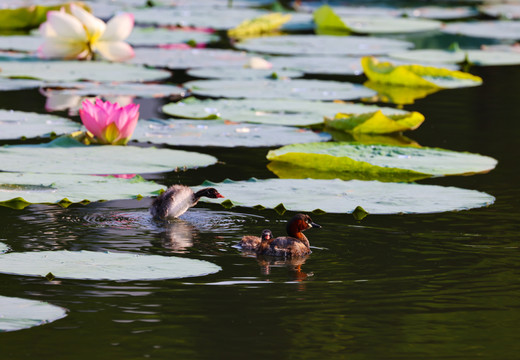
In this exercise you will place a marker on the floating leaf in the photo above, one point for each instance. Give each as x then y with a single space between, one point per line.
416 75
189 58
337 65
327 20
29 188
221 133
18 84
242 73
279 89
83 88
3 248
73 159
507 30
375 122
103 265
18 314
338 196
505 11
273 111
259 25
26 43
19 124
323 45
441 12
474 57
79 70
376 159
158 36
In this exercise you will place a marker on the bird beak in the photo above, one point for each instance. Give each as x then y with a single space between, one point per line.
219 195
314 225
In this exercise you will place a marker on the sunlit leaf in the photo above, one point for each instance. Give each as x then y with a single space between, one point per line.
103 265
376 159
416 75
375 122
224 72
18 314
496 29
18 124
279 89
221 133
273 111
400 95
338 196
259 25
28 17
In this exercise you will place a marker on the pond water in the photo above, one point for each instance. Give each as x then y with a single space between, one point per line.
430 286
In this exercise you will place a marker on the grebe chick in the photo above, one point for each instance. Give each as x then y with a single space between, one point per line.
296 244
177 199
254 243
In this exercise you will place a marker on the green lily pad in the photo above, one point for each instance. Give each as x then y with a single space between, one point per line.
215 18
242 73
275 111
337 65
22 189
279 89
157 36
338 196
188 59
442 13
221 133
79 70
323 45
377 159
25 43
18 314
103 265
18 84
72 158
504 11
375 122
475 57
388 25
19 124
83 88
3 248
507 30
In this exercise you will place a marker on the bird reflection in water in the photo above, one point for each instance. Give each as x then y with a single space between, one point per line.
178 235
293 264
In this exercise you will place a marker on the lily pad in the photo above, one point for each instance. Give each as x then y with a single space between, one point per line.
474 57
379 159
504 11
55 158
416 75
375 122
496 29
221 133
83 88
274 111
103 265
338 196
19 124
323 45
21 189
337 65
3 248
189 58
279 89
18 84
79 70
18 314
442 12
157 36
25 43
388 25
242 73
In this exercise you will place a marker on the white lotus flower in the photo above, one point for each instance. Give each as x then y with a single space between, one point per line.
82 35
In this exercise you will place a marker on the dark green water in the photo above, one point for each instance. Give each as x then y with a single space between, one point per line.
434 286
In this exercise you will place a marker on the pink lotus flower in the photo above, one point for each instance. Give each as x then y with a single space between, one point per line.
82 35
109 123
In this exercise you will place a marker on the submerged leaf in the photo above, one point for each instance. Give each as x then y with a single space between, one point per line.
103 265
380 159
416 75
337 196
17 313
375 122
